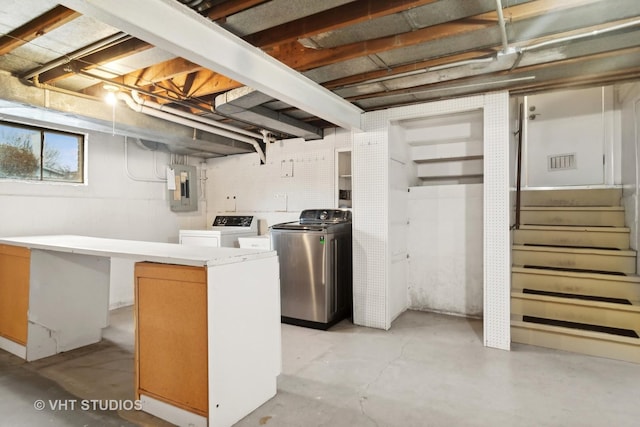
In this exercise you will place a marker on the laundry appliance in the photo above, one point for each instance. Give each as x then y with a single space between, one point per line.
224 232
315 255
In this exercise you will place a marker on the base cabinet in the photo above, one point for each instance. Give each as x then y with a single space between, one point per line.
171 335
14 293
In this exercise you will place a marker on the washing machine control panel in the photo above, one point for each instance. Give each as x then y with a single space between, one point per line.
325 216
233 221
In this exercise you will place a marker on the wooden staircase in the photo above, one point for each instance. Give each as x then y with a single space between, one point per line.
574 283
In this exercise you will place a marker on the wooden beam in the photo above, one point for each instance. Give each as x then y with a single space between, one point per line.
160 72
93 60
521 87
228 8
207 83
358 78
349 14
331 19
301 58
37 27
216 49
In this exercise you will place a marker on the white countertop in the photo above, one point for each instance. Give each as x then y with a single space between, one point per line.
166 253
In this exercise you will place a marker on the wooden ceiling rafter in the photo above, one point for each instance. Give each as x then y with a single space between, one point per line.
300 58
228 8
185 83
515 74
478 54
37 27
205 84
406 68
338 18
163 71
94 60
330 20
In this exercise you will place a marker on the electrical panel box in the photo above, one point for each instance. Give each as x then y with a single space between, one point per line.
183 189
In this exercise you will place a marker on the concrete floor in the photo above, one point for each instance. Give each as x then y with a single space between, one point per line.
428 370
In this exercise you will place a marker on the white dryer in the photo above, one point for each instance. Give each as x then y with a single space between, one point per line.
224 232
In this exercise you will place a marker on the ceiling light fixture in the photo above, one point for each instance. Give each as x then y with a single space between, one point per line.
110 98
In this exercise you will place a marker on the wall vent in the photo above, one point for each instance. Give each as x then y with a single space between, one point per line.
561 162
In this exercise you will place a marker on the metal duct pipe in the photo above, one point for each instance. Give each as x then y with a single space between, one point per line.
138 99
74 55
191 123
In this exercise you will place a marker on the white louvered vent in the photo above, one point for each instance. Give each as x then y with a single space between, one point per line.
561 162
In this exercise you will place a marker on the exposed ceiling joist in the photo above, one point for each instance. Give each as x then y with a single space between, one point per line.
222 10
52 19
331 19
300 58
94 60
222 52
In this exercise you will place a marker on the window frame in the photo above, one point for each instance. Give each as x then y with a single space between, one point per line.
40 179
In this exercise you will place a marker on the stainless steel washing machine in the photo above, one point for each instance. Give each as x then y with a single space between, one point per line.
315 255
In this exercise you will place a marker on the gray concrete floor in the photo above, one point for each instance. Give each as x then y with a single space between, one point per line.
427 370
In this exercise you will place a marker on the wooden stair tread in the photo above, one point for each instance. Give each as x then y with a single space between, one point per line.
561 249
567 301
631 278
632 308
576 228
575 332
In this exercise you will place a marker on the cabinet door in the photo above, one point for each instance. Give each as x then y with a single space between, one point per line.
171 340
14 292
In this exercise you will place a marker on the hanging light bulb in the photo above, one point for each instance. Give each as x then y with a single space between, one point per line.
110 98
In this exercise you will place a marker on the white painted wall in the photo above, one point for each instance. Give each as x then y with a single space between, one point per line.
270 192
580 122
401 172
628 101
445 238
119 201
446 247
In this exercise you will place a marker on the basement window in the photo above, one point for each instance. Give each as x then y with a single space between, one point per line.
38 154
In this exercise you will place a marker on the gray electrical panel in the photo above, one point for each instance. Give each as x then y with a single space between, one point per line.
183 189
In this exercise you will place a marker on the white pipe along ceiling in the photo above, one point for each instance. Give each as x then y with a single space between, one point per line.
191 123
74 55
222 52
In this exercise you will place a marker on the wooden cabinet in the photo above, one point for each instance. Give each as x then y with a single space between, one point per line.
14 292
171 335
